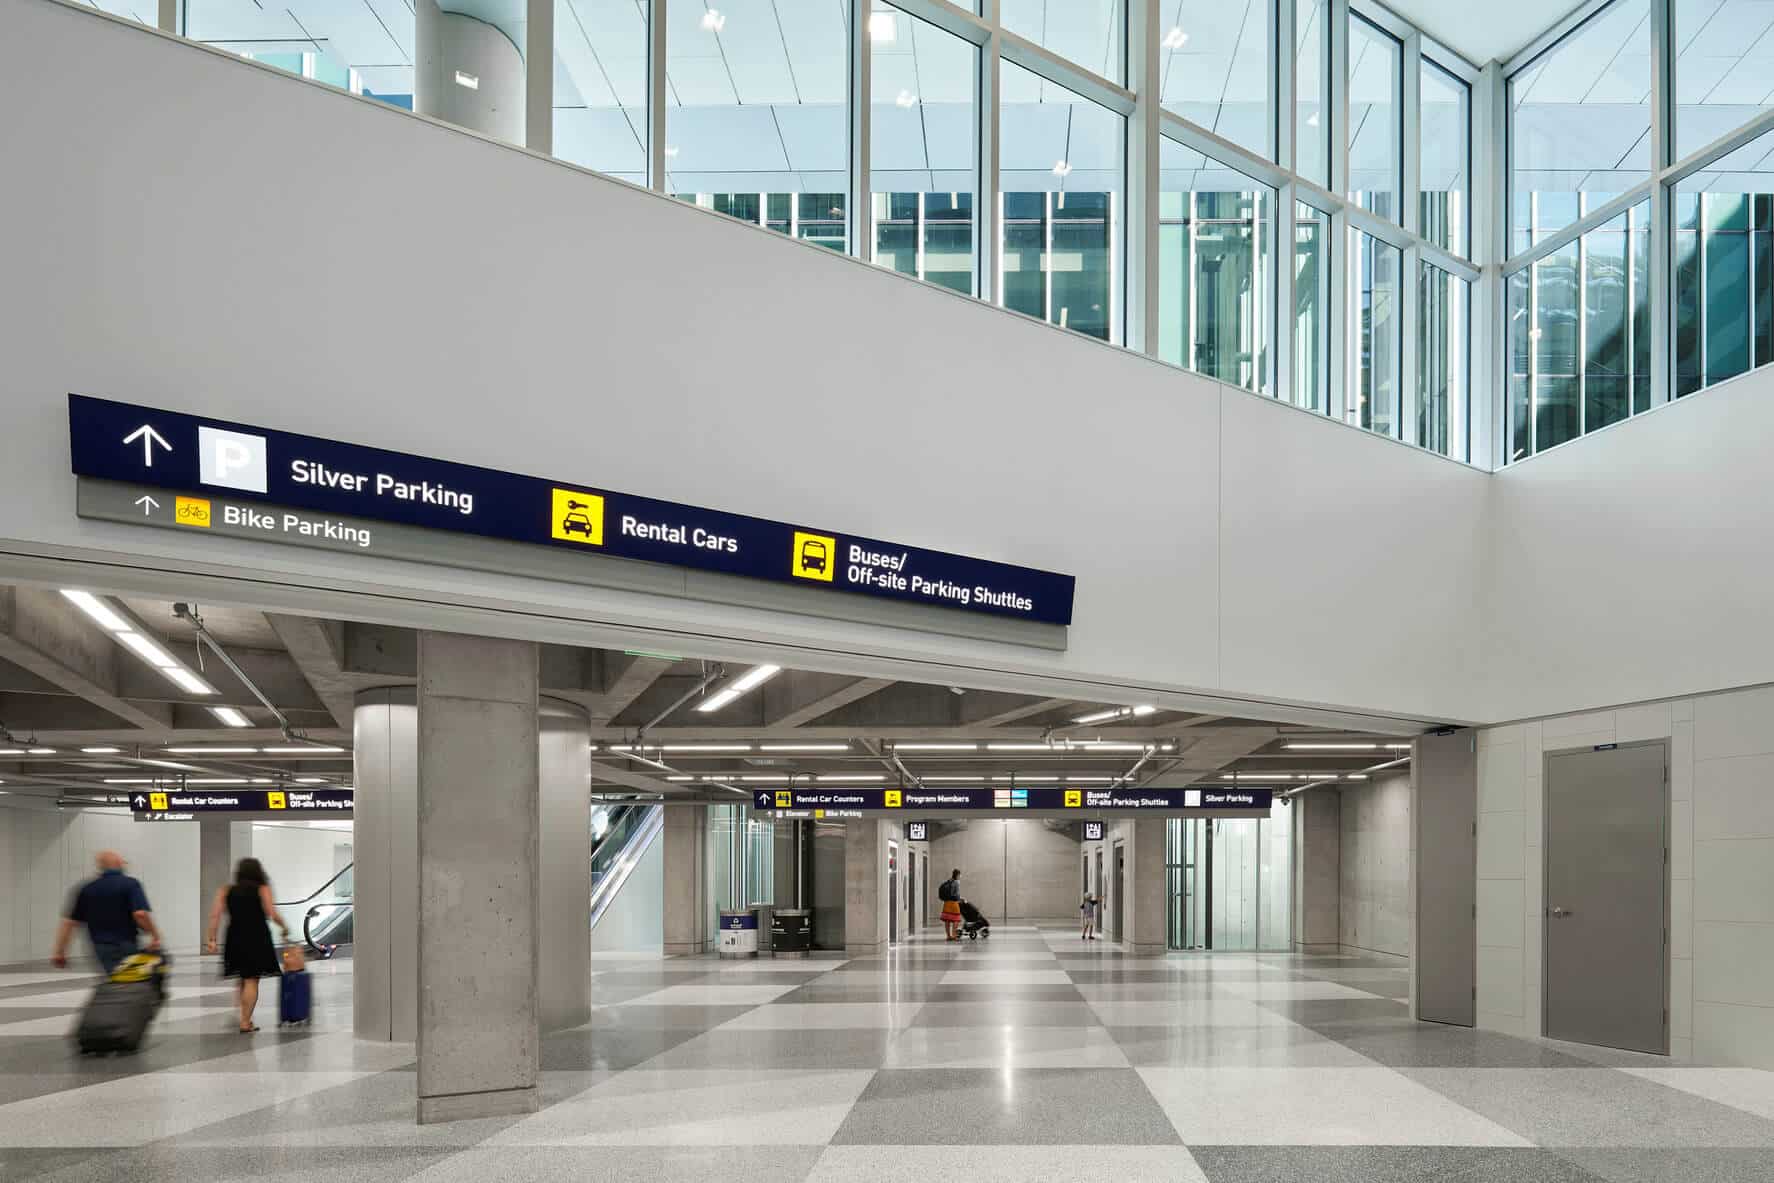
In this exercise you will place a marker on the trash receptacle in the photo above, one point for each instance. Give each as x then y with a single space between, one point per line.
791 932
739 933
765 913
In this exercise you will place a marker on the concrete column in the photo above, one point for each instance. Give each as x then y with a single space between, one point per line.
1145 884
1318 840
470 69
865 886
564 768
685 839
220 844
385 877
479 846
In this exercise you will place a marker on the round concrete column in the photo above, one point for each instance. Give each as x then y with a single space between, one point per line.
470 65
564 775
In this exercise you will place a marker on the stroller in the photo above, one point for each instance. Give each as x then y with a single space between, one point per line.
974 924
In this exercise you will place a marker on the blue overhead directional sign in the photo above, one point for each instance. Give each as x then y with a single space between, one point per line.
262 472
1118 799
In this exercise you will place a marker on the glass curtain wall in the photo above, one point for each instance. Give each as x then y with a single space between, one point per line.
1724 272
1214 281
1440 419
744 107
1376 334
757 125
1061 183
1230 882
923 153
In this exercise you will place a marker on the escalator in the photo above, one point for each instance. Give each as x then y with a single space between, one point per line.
622 832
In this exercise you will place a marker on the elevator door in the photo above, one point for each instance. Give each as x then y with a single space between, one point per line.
1607 900
1117 894
1446 808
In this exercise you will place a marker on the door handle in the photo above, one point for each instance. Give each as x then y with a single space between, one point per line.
1561 913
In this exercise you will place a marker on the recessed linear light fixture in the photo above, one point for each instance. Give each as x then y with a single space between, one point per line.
101 751
231 716
1331 747
882 27
936 747
853 776
803 747
1062 168
301 749
1175 38
705 747
1115 713
41 751
750 680
906 99
212 751
714 20
149 650
467 81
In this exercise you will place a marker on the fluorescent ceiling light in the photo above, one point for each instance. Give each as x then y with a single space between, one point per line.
101 751
1330 747
1101 716
211 751
1095 745
854 776
172 764
715 702
1175 38
882 27
714 20
12 751
311 780
96 608
216 780
187 681
1021 747
680 778
231 716
936 747
129 780
1397 747
906 99
305 749
954 779
756 677
706 747
803 747
1062 169
1143 710
41 751
148 651
465 79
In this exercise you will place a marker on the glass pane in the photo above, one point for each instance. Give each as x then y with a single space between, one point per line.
1520 441
1213 242
1311 129
1374 119
600 85
1445 164
1214 68
1607 324
1580 123
921 152
1724 277
1442 415
757 92
1089 32
1311 308
1375 355
1061 180
1724 55
368 52
145 11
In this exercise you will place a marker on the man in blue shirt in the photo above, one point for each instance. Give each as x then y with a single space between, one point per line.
113 907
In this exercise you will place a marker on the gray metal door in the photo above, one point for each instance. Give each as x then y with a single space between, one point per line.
1117 893
1446 773
1607 897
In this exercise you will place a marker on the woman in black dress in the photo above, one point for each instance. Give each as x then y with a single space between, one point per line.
247 953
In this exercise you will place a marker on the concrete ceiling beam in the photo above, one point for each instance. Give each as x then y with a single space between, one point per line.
317 647
801 698
44 634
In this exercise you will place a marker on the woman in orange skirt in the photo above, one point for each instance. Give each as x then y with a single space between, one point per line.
950 895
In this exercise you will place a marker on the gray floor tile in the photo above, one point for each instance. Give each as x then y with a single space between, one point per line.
1035 1106
291 1164
1385 1164
1663 1165
1428 1045
1595 1107
1006 1164
614 1049
1216 1047
988 996
1009 1012
639 1014
17 1165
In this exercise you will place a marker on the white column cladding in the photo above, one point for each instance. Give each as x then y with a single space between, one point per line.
564 768
470 67
685 838
220 844
479 842
385 876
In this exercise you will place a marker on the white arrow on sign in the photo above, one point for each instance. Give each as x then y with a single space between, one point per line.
141 800
149 438
148 504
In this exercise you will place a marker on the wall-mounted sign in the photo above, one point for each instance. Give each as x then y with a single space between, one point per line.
1093 831
286 800
235 478
965 800
917 831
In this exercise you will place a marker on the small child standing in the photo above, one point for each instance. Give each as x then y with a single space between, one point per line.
1087 914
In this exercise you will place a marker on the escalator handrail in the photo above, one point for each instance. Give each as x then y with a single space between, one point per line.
605 891
317 892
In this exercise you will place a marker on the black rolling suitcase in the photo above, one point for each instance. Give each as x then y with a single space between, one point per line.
119 1011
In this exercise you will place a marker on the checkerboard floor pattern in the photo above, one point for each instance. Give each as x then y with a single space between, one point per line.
1029 1056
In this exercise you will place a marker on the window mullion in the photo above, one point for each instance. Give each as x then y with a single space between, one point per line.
856 205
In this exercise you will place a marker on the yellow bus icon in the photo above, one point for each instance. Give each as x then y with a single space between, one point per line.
815 556
1074 799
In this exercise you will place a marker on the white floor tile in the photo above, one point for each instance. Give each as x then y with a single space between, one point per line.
1006 977
1005 1164
1222 1012
1005 1047
825 1016
704 994
1748 1089
1314 1107
144 1108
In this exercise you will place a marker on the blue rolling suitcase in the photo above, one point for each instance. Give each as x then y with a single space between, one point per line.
295 998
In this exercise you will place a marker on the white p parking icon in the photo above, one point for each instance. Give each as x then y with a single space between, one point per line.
231 459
